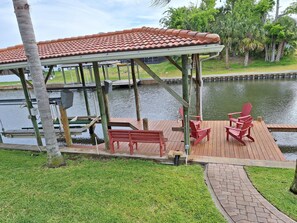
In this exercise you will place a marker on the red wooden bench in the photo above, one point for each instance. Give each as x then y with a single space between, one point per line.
137 136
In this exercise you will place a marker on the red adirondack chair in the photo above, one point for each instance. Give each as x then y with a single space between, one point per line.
197 118
198 133
243 115
242 130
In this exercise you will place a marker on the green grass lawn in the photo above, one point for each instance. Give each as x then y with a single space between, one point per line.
274 185
102 190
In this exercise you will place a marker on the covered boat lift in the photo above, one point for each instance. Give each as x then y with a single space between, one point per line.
132 45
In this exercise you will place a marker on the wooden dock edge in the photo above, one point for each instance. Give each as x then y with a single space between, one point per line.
243 162
192 159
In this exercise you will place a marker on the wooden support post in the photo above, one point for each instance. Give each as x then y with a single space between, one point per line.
162 83
17 73
77 75
49 73
91 73
65 123
136 94
173 62
137 68
198 85
145 124
103 71
185 74
106 103
128 70
101 104
63 73
84 89
106 69
119 72
30 106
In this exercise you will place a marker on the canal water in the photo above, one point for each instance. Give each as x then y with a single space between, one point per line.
274 100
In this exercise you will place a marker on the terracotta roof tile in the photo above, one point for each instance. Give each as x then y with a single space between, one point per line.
126 40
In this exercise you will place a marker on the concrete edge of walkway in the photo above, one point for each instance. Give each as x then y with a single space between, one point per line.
214 197
242 162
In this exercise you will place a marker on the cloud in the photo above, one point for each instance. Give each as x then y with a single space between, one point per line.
63 18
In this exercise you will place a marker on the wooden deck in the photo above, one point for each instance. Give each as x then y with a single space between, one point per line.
282 128
264 147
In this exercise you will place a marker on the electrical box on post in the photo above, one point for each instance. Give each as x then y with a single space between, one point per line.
66 99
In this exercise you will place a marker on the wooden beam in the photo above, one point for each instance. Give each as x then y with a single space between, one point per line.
198 85
49 73
185 83
17 73
77 75
173 62
101 104
161 82
84 89
103 70
128 70
119 72
63 73
30 107
65 123
135 87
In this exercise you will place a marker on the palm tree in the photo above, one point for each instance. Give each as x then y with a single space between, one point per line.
160 2
21 7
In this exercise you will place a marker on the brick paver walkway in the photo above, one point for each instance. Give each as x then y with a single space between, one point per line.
238 197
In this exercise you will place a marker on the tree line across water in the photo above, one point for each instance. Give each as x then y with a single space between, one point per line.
246 27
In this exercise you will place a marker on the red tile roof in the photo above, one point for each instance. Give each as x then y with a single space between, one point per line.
127 40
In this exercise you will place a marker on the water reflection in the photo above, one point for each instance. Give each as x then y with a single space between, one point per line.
274 100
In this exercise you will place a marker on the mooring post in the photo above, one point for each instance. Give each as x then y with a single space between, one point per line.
30 107
65 123
145 124
185 74
101 104
84 88
136 94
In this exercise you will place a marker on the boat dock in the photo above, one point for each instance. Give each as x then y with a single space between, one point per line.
282 128
264 147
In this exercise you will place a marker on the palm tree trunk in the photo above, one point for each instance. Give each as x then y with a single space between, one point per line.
293 187
246 58
227 57
21 7
279 51
272 59
266 52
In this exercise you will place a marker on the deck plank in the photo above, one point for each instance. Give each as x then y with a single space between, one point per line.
264 147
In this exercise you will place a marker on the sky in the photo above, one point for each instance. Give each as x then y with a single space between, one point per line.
54 19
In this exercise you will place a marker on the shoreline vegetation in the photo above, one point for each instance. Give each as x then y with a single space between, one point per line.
167 70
